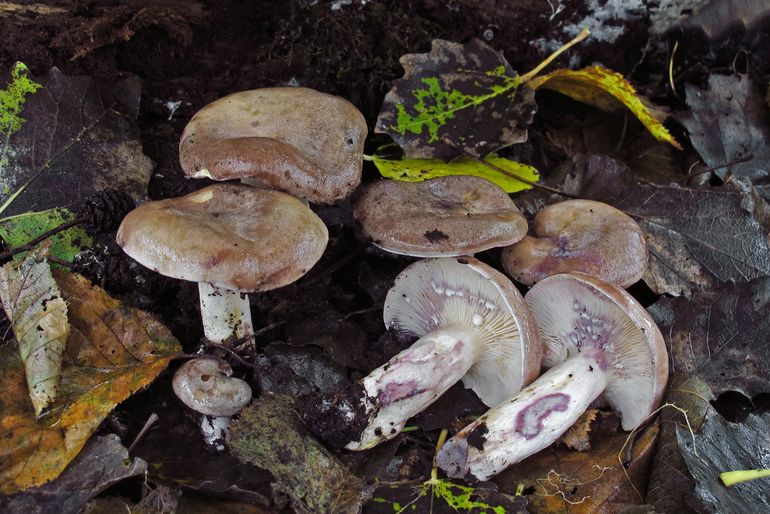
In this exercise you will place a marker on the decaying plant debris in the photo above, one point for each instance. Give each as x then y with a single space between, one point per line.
94 99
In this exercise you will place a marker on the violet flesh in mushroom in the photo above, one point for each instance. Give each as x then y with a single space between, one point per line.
473 325
597 341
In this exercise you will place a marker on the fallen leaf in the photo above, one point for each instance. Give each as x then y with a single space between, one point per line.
578 437
269 434
112 352
103 463
606 90
720 334
12 100
717 17
161 500
456 99
729 122
724 446
18 230
80 136
698 237
437 496
38 316
417 170
671 485
564 480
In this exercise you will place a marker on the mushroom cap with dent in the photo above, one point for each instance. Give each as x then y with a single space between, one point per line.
441 292
442 217
304 142
580 235
578 314
232 236
206 386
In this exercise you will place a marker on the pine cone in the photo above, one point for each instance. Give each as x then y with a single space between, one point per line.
104 211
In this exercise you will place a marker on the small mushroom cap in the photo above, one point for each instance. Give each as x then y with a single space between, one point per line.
232 236
447 216
439 293
581 315
580 235
205 385
307 143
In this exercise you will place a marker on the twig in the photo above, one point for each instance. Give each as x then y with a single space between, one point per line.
671 69
737 160
150 421
42 237
232 352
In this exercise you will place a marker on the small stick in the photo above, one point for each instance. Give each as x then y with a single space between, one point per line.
737 160
150 421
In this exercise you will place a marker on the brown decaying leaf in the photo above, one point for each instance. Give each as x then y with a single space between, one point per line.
671 485
103 462
721 334
112 352
578 436
38 316
79 137
585 482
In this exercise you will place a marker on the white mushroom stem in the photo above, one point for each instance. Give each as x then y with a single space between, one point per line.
225 313
413 379
530 421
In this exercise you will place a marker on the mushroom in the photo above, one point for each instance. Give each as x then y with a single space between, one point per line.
597 341
447 216
231 239
473 325
580 235
206 385
304 142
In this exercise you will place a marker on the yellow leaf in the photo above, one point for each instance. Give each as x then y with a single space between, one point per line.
417 170
112 352
606 90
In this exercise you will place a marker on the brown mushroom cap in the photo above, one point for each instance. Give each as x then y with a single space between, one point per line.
578 314
298 140
448 216
580 235
231 236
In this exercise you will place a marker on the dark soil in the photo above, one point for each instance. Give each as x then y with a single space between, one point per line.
325 331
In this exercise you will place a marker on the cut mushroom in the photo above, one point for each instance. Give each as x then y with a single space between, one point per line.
448 216
473 325
304 142
206 386
580 235
231 239
597 341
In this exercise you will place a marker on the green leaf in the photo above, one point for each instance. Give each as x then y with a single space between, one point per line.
417 170
12 100
19 230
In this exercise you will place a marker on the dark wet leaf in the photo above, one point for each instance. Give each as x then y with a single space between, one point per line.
297 371
698 238
161 500
269 434
724 446
102 463
343 339
456 99
715 18
438 496
729 122
454 404
721 334
79 135
671 485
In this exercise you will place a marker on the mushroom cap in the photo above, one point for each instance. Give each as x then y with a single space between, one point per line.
307 143
442 217
205 385
438 293
580 235
580 314
232 236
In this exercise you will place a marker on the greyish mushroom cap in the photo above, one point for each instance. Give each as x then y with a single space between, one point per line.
446 216
232 236
580 235
580 314
304 142
441 293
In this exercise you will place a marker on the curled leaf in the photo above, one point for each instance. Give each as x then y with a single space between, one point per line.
417 170
606 90
38 316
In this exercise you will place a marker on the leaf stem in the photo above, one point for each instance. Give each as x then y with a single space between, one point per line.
441 440
577 39
736 477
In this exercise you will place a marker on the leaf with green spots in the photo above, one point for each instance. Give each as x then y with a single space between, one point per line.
437 496
417 170
112 351
18 230
605 89
12 100
456 100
